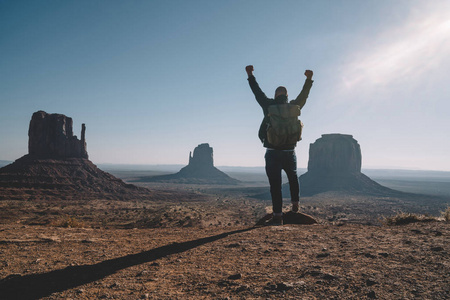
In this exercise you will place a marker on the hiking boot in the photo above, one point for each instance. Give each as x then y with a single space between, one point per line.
275 221
295 207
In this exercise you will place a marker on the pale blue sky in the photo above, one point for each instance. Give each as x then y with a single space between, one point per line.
153 79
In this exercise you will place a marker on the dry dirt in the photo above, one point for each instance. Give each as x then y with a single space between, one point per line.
321 261
185 243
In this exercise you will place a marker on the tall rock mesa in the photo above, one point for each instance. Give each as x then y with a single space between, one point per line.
51 136
203 156
201 165
200 170
335 153
57 167
335 165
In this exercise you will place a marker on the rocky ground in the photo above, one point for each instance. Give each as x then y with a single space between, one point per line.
189 242
322 261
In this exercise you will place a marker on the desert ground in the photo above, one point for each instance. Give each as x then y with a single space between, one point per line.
320 261
202 244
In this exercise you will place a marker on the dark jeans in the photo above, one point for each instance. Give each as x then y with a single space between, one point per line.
277 160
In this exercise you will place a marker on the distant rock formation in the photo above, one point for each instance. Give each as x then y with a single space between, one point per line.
200 170
335 165
51 136
57 167
201 164
203 157
335 153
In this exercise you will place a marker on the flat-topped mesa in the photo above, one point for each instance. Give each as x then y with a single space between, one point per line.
203 156
335 165
51 136
336 154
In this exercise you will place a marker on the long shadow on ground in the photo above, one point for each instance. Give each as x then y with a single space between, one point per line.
35 286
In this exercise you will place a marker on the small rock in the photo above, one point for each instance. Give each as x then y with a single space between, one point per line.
329 276
234 245
325 254
370 282
80 291
384 254
235 276
155 264
437 248
371 295
417 231
369 255
282 286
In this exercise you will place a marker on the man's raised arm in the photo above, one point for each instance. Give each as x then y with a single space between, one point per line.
301 98
259 94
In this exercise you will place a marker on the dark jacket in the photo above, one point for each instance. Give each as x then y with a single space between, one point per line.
265 102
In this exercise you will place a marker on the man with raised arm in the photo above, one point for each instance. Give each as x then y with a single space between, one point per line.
280 142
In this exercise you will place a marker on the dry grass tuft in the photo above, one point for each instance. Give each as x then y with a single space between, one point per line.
403 218
446 214
67 222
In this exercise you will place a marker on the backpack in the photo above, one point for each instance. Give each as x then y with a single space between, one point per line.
284 128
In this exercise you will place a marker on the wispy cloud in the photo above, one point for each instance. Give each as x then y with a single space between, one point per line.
404 54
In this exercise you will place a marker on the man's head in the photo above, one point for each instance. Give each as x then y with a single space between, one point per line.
281 90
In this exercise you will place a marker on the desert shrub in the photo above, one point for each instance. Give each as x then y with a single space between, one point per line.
67 222
446 214
406 218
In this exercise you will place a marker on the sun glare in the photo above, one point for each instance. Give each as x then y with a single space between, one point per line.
404 54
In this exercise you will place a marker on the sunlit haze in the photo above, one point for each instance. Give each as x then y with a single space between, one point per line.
153 79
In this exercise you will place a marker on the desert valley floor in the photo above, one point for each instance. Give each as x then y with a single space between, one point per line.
320 261
211 250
